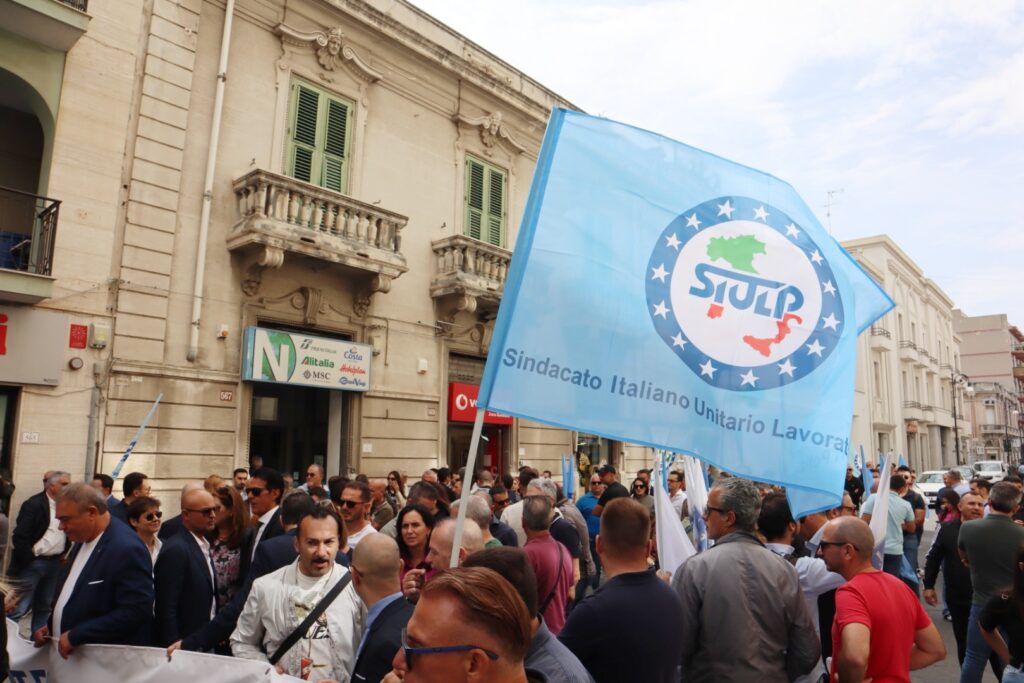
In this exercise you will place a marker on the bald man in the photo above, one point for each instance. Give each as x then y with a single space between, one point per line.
439 553
376 566
183 576
880 629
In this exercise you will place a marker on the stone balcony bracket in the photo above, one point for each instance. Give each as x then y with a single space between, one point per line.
279 216
470 276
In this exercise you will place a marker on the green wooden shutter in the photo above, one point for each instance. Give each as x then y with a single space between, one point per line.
318 141
495 206
475 180
302 146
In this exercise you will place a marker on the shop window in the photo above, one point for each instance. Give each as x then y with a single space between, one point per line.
319 137
485 202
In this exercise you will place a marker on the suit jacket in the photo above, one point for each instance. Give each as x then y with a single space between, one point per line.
945 555
382 642
184 590
170 528
274 529
33 520
119 510
112 602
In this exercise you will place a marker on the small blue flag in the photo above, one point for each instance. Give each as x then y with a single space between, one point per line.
667 297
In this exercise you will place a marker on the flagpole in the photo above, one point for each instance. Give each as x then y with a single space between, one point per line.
135 439
474 444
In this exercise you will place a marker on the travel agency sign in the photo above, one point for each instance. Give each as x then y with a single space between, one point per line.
300 359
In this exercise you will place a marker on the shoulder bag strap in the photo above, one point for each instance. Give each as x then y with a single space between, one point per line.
554 586
324 603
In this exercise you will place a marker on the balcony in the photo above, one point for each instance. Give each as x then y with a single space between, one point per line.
992 429
908 351
912 410
28 229
880 338
922 357
470 275
1018 372
1017 349
279 215
927 413
57 24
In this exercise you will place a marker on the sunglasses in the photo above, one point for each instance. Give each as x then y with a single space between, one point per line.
596 482
205 512
410 651
254 492
501 503
150 516
708 510
310 475
825 544
638 486
350 503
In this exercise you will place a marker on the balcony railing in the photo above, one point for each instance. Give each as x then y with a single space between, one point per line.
28 230
880 332
282 215
80 5
904 344
469 273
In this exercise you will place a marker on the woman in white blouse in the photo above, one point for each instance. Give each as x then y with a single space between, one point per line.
144 515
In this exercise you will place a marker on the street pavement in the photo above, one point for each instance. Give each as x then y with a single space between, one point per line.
948 670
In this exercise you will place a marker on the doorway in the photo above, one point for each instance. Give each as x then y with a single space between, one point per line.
493 453
290 427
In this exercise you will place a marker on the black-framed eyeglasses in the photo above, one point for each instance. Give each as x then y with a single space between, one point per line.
205 512
410 651
254 491
708 509
595 482
824 544
639 486
349 503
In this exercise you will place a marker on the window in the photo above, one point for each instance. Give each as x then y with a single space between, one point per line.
878 379
319 137
485 202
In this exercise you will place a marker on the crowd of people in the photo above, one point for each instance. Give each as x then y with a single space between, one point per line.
351 579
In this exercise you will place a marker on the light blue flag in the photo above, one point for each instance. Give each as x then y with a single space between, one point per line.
902 461
664 296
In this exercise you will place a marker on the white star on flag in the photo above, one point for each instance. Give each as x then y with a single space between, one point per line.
829 287
708 369
673 241
830 323
726 209
678 341
661 310
692 222
659 273
786 368
791 231
760 213
815 348
816 257
749 378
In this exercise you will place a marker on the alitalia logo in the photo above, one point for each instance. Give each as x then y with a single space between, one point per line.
317 362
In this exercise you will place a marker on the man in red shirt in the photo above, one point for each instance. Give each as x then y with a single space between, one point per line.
550 561
880 631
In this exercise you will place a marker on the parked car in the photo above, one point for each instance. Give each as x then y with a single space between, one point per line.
929 483
993 470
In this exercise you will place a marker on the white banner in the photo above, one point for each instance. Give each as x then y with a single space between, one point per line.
105 663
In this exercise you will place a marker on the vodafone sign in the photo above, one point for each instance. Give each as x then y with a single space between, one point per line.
462 405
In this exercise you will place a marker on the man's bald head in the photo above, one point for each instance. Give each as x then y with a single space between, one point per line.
378 563
197 510
854 531
442 538
189 488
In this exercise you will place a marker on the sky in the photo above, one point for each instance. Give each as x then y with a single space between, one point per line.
911 114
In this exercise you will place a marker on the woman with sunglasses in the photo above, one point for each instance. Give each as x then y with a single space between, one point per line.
144 515
226 542
415 523
641 494
395 491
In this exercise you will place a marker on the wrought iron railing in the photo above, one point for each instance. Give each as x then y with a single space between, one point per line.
28 230
81 5
880 332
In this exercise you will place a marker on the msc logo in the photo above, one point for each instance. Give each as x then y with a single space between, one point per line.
743 295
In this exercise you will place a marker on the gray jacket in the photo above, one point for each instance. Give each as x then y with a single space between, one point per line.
575 517
745 618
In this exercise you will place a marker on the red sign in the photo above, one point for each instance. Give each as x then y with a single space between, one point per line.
79 337
462 405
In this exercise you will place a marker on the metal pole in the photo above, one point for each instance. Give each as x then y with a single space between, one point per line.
460 522
956 426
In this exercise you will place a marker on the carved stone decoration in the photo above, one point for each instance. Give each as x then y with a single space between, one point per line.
314 304
332 50
269 257
493 131
362 300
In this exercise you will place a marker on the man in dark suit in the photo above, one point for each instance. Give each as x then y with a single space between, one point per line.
38 546
376 566
184 575
271 555
264 490
105 592
136 485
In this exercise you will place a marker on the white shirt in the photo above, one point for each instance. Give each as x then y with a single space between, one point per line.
354 539
315 644
155 550
678 498
81 559
204 545
53 540
264 520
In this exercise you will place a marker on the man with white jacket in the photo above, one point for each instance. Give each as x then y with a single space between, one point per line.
280 601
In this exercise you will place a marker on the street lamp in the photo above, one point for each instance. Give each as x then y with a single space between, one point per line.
959 379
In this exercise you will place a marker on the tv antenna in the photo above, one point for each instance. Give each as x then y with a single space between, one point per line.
828 206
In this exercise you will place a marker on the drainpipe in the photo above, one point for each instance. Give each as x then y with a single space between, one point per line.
211 162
